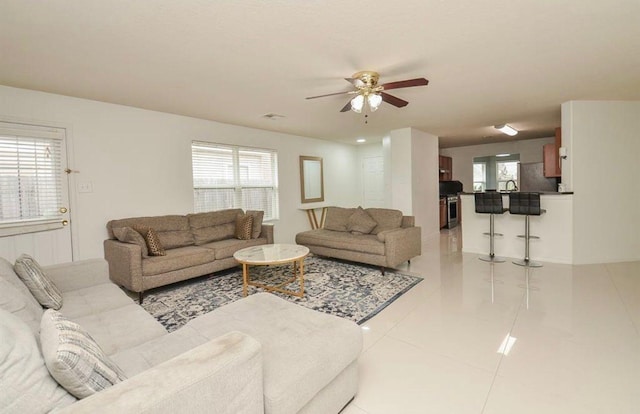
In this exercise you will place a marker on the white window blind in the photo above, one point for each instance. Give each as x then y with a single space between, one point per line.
226 176
30 174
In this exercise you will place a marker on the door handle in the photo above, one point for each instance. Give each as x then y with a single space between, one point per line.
65 222
63 210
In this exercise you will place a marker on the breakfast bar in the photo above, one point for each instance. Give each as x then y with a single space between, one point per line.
554 227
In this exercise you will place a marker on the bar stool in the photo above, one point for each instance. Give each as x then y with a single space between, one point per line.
526 204
490 203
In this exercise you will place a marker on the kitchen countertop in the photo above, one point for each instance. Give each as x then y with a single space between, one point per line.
539 192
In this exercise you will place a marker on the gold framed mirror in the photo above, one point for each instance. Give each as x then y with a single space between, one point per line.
311 179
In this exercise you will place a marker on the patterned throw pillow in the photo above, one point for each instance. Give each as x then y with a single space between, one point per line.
40 286
244 226
151 238
74 359
258 216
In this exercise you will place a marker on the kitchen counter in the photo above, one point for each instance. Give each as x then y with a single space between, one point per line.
553 227
539 192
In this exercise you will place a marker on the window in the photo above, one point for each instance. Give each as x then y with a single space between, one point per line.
506 171
479 176
226 176
31 183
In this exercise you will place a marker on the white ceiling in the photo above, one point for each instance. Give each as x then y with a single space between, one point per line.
488 62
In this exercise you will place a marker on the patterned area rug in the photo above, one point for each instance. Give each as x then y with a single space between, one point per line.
347 290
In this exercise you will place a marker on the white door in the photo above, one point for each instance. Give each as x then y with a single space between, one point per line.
373 182
34 194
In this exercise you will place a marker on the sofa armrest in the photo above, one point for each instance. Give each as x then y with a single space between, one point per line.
222 376
402 244
78 275
267 231
125 264
408 221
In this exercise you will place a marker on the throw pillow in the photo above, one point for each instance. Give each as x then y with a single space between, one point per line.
129 235
74 359
337 218
25 384
40 286
258 216
244 226
361 222
152 241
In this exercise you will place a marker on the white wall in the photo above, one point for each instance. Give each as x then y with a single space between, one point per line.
530 150
139 162
603 169
425 188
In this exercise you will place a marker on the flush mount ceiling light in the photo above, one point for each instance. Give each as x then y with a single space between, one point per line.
506 129
361 140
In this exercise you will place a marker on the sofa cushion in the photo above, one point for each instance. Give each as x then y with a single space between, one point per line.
154 245
92 300
16 298
387 219
25 383
176 259
121 328
338 218
74 358
226 248
258 216
360 222
318 343
365 243
43 289
244 226
129 235
213 225
173 230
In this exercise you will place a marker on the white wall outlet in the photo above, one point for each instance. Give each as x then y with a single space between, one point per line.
85 187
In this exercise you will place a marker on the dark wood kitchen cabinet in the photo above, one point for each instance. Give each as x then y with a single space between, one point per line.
443 212
551 158
445 171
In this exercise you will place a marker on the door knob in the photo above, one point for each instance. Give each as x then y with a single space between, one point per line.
63 210
65 222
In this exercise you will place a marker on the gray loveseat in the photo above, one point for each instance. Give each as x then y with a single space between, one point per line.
377 236
195 244
261 354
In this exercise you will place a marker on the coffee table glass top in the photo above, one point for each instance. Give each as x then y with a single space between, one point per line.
271 253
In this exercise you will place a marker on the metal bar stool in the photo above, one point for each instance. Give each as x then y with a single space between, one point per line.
490 203
526 204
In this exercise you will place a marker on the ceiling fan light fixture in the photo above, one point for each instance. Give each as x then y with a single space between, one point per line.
357 103
506 129
374 100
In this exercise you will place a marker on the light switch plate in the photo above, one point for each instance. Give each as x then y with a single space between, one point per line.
85 187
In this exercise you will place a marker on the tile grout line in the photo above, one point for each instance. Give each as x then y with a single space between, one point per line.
624 304
495 375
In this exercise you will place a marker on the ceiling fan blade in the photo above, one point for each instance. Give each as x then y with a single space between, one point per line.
390 99
329 94
406 83
347 107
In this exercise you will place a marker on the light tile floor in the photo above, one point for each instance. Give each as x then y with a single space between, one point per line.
575 330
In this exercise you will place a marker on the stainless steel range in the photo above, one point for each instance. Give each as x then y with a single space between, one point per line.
449 190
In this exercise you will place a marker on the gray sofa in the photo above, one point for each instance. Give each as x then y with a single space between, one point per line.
377 236
195 244
258 354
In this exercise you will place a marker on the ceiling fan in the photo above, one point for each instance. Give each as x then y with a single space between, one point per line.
368 91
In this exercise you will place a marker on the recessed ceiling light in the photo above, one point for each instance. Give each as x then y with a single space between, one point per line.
361 140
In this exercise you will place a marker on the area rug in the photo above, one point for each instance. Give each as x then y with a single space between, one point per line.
351 291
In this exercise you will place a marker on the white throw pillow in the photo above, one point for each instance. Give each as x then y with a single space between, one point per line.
25 384
40 286
74 359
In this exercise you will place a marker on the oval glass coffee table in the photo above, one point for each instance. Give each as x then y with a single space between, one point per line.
273 254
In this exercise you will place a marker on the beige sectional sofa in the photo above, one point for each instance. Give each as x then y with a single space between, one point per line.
195 245
261 354
376 236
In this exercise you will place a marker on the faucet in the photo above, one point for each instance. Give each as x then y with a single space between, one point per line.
515 186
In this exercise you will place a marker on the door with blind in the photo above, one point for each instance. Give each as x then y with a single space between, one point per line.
34 197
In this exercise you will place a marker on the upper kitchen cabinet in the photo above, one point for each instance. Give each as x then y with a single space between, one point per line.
445 172
551 157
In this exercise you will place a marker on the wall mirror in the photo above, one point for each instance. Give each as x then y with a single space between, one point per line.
311 179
